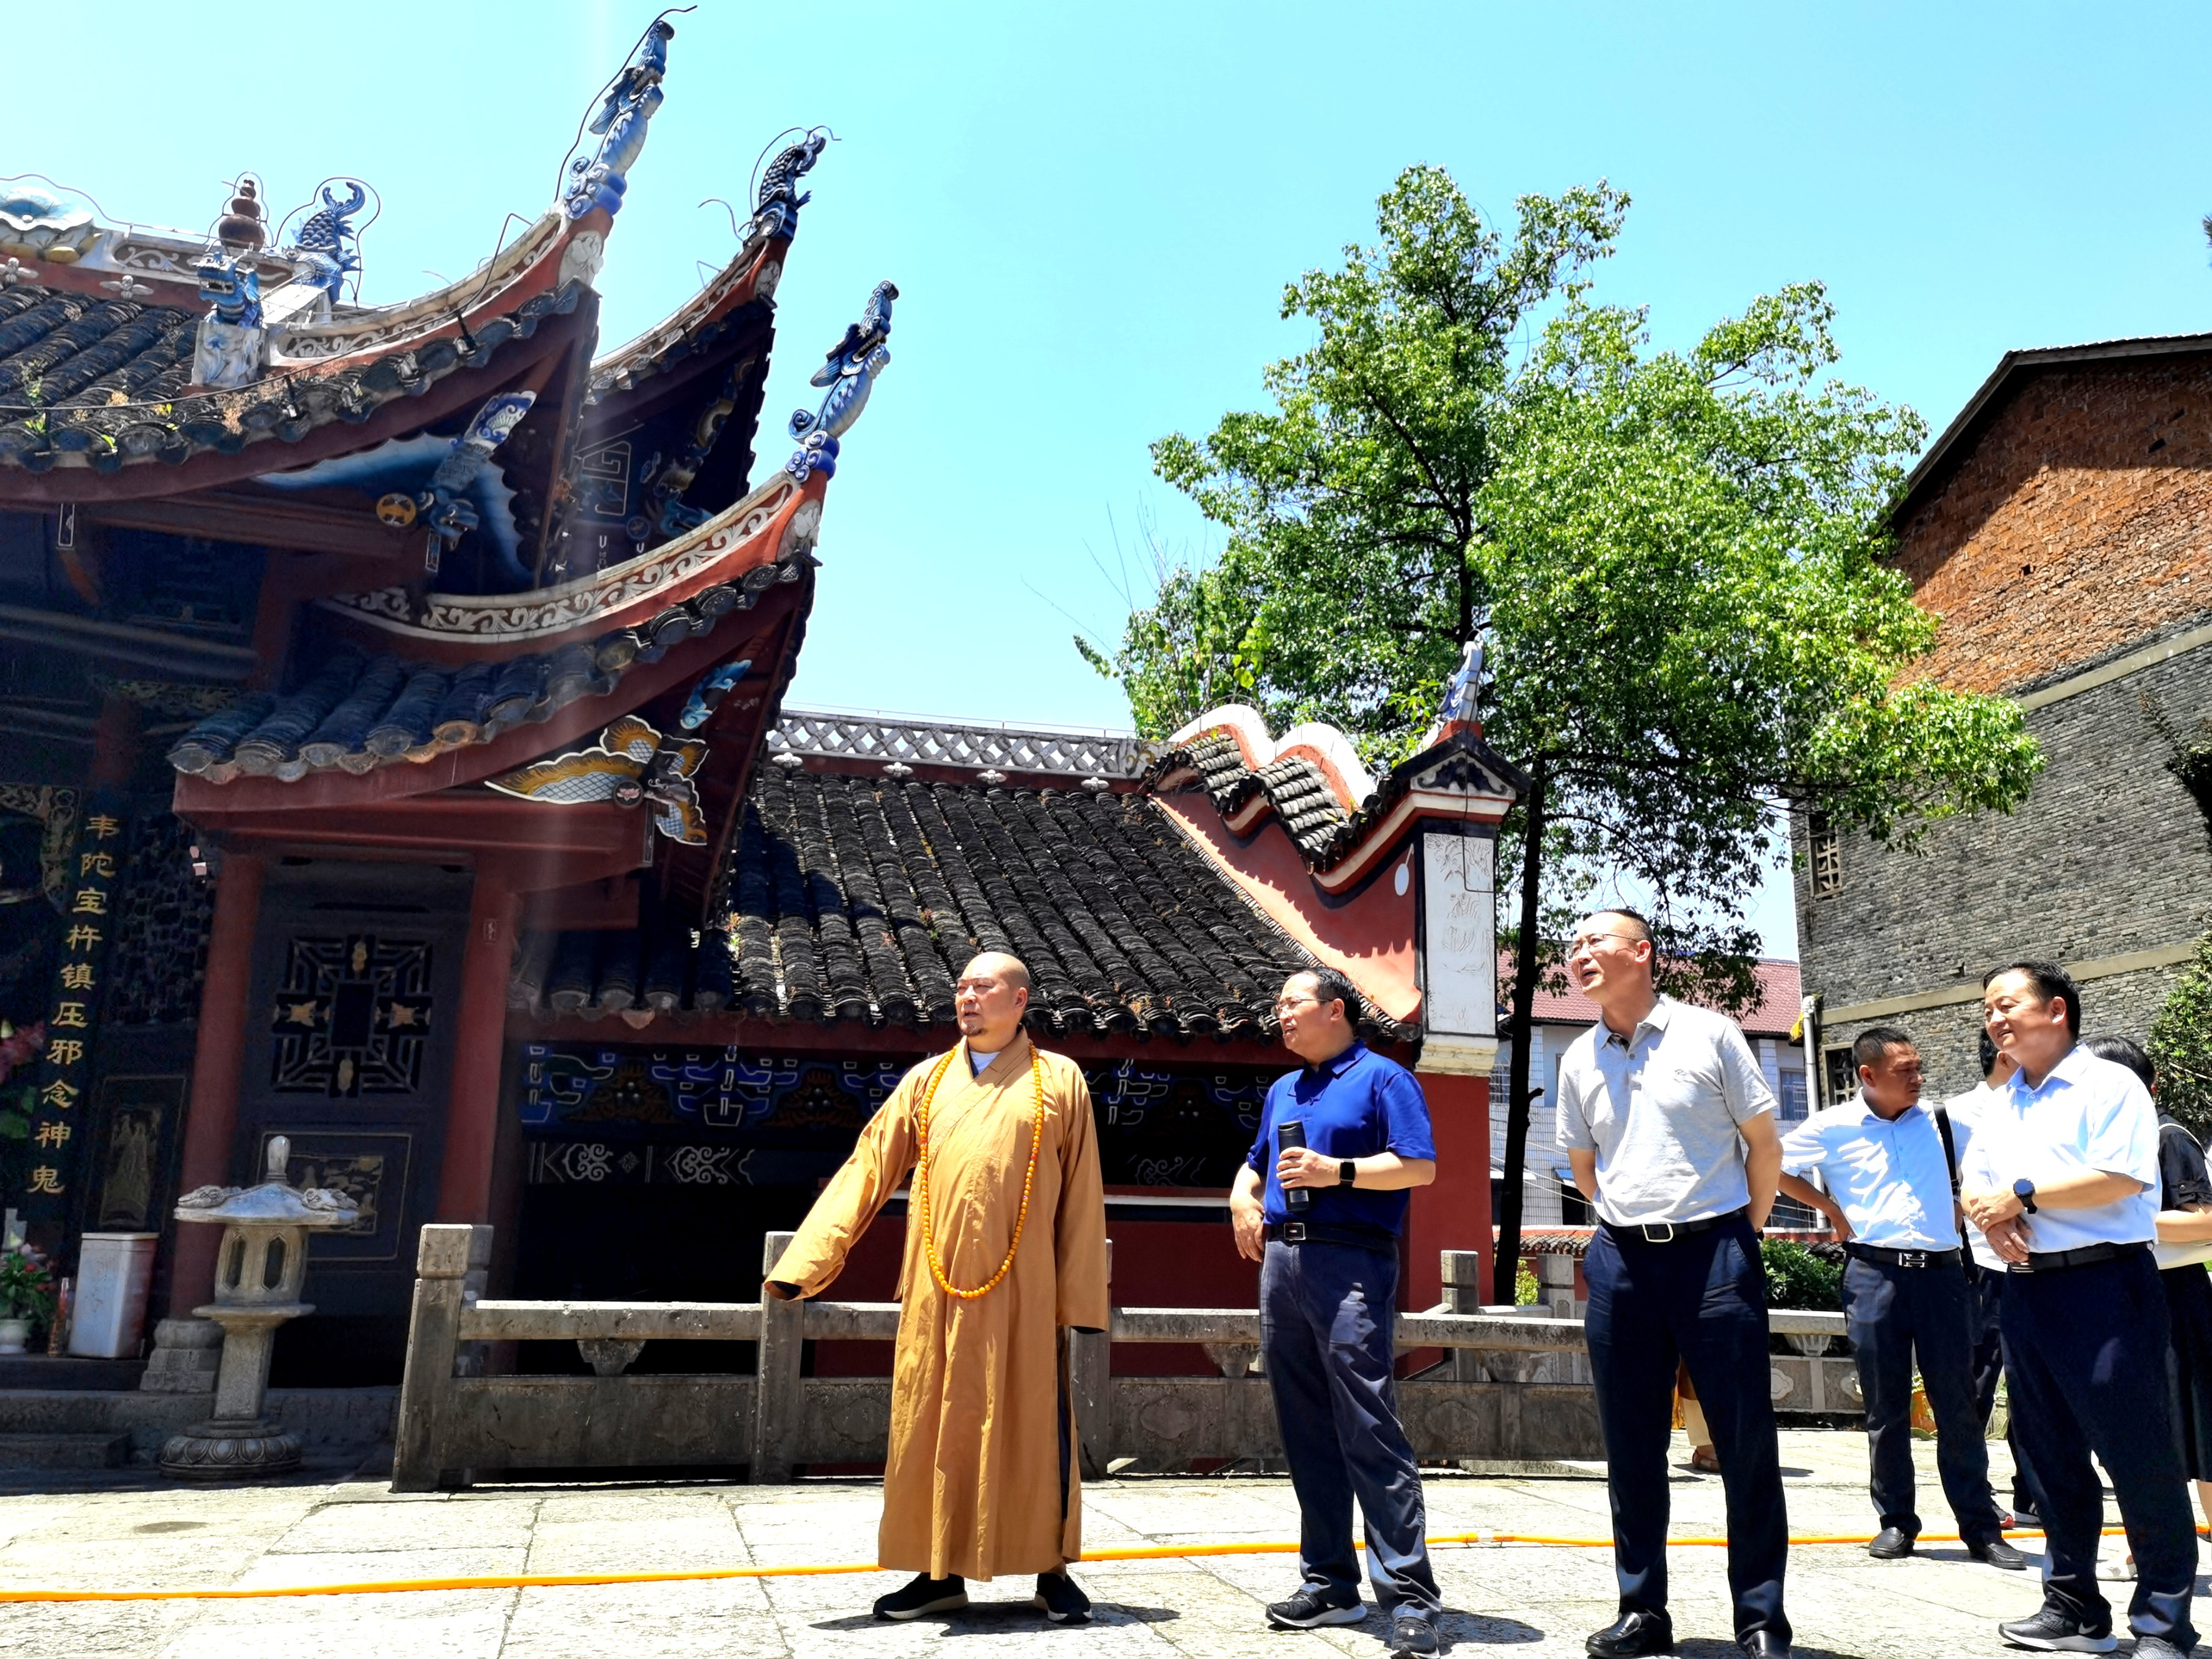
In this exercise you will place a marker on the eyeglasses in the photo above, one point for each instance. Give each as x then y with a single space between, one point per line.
1284 1005
1590 941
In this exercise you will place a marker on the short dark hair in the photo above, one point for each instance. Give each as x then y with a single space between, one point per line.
2050 981
2125 1051
1330 986
1873 1045
1637 916
1988 1051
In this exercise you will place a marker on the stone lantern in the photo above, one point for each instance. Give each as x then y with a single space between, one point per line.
258 1272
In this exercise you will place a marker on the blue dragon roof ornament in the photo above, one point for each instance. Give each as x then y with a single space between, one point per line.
775 208
850 374
328 244
601 180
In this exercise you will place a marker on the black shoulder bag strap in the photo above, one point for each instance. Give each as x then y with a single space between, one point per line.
1950 1149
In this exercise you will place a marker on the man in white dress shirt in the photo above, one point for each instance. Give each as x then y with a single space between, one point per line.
1669 1126
1887 1161
2062 1175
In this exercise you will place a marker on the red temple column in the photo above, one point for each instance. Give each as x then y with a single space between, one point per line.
472 1108
211 1119
1453 1212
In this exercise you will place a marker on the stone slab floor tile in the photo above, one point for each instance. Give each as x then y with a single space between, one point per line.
354 1528
376 1567
113 1630
124 1563
667 1621
473 1635
640 1547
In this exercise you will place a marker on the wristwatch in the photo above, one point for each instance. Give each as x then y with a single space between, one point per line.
2024 1190
1346 1173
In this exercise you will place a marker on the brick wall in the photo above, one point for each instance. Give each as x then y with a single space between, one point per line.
2073 532
2076 523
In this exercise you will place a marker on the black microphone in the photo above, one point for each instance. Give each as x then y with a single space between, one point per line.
1287 1135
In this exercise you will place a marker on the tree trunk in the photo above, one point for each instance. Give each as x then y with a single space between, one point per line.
1527 958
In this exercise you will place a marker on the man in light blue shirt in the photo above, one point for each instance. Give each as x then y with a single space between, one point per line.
2062 1177
1888 1163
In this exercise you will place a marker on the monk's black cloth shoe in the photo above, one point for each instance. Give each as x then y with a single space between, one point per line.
1631 1635
924 1595
1063 1602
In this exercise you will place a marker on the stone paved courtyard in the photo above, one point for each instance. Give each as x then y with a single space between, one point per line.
132 1531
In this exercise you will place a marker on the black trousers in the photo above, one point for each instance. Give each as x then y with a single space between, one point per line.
1988 1369
2085 1351
1894 1313
1701 1300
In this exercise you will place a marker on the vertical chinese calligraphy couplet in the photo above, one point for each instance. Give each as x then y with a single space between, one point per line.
58 1130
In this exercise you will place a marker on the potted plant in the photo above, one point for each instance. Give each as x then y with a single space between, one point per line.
27 1296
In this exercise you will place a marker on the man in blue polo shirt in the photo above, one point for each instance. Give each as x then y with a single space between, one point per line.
1328 1289
2062 1175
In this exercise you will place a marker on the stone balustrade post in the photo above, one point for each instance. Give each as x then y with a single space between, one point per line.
1464 1280
1091 1386
779 1393
442 1265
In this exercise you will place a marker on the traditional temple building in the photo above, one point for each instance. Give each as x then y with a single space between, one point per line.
398 762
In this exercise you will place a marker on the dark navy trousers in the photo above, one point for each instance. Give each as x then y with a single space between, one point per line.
2085 1357
1892 1314
1701 1299
1988 1290
1327 1313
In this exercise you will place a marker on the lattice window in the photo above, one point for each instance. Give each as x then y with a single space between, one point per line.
351 1017
1824 857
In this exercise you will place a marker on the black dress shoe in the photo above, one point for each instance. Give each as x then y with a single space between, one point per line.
1891 1544
1995 1552
923 1596
1631 1635
1765 1644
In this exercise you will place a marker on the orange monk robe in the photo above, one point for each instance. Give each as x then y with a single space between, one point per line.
981 1477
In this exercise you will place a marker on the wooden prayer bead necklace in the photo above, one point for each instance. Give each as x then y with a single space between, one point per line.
921 1183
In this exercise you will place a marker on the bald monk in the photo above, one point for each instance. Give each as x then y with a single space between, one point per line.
981 1477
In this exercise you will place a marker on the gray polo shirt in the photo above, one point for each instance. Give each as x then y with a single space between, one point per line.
1660 1110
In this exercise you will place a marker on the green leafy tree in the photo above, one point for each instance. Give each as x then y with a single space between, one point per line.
1674 560
2181 1044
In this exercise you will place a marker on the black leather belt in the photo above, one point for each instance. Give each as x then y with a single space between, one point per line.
1666 1232
1889 1258
1321 1232
2048 1261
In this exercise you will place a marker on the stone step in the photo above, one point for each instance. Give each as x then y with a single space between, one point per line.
64 1452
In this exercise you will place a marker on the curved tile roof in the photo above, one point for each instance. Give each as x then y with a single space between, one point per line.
860 898
99 380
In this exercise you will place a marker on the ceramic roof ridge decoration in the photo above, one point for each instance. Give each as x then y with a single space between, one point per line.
676 574
601 180
361 710
630 763
850 374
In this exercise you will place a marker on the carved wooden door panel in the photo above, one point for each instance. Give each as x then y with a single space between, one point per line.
349 1049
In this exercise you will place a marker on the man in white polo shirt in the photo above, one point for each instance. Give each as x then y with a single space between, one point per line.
1669 1126
1887 1161
2062 1175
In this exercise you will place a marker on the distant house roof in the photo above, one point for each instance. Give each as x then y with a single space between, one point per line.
1776 1012
2012 368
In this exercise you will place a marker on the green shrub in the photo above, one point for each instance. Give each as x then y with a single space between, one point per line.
1795 1278
1527 1290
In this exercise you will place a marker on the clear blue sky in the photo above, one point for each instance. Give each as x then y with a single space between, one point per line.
1091 211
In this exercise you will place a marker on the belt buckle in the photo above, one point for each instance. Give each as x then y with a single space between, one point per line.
1912 1258
1653 1236
1294 1232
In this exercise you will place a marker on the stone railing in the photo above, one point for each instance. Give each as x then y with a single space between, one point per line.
979 747
452 1428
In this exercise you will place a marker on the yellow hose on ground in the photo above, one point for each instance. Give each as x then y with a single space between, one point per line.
544 1580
